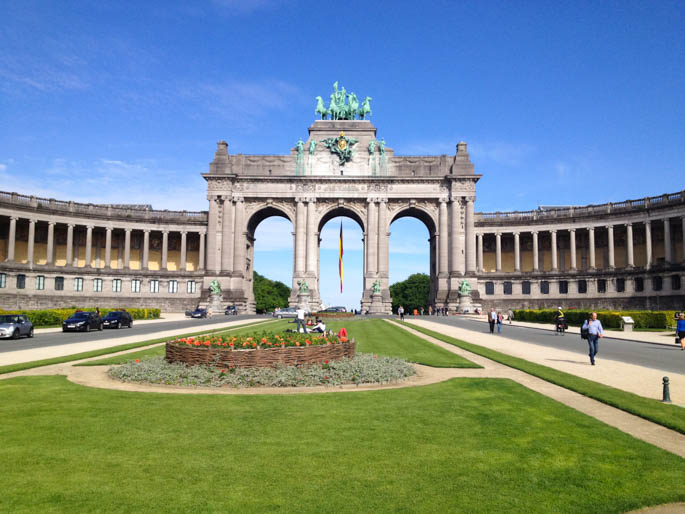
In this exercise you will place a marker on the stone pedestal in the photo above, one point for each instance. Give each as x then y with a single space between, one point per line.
216 303
304 301
376 306
465 305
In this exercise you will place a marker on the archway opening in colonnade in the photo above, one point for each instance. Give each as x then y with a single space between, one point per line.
412 251
331 293
270 252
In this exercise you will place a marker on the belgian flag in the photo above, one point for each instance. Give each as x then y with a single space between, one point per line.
340 257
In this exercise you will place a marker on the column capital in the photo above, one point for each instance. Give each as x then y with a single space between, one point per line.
498 234
629 224
553 231
648 222
52 223
534 232
109 228
90 227
14 218
572 230
129 230
516 233
165 231
609 227
147 230
183 232
32 220
591 229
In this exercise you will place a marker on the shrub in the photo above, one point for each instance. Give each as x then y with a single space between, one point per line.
609 319
332 315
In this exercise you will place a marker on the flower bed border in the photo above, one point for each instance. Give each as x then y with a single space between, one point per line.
260 357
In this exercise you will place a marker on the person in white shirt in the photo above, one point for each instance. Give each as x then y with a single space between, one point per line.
595 332
299 319
319 327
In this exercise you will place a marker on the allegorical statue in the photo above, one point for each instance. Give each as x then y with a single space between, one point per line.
372 146
214 287
312 146
464 288
321 108
377 287
300 147
353 105
333 107
365 109
303 286
381 147
299 160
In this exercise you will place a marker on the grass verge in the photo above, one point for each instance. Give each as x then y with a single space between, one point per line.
670 416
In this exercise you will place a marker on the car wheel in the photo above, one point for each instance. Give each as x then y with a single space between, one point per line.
87 327
31 332
100 327
64 329
280 317
130 324
15 334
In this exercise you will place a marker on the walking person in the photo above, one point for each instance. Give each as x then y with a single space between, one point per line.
510 315
680 330
400 311
299 319
500 319
595 332
492 319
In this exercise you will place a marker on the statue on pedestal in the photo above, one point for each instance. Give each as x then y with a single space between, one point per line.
377 287
214 287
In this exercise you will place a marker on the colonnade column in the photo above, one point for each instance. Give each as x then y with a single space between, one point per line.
443 241
239 236
668 254
630 257
572 237
383 238
108 247
51 242
311 238
31 243
536 257
201 263
470 236
455 252
12 238
227 238
591 242
89 245
517 252
70 244
213 263
165 249
479 238
300 235
127 248
498 251
371 239
648 244
146 249
555 266
184 250
610 244
683 222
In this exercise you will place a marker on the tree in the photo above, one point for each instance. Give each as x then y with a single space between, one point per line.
411 293
269 294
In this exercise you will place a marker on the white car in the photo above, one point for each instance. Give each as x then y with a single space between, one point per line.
14 326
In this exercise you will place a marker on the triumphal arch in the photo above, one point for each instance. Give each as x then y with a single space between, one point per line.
342 169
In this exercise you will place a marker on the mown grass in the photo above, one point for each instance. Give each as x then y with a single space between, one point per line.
668 415
469 445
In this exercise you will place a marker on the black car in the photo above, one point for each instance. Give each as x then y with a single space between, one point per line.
82 321
199 313
117 319
231 310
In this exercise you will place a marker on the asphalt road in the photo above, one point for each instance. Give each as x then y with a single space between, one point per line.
49 339
667 358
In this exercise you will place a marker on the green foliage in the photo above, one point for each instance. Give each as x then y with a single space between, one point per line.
269 294
411 293
609 319
51 317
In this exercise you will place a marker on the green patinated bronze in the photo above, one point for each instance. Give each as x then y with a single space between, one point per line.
303 286
341 146
342 106
464 288
299 161
377 287
215 287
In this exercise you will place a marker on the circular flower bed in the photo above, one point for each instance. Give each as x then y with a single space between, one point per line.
265 350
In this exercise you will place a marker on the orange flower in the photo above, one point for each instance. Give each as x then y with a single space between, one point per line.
254 345
297 343
137 360
263 339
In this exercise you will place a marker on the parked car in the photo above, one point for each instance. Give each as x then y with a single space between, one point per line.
117 319
84 321
288 312
335 309
199 313
231 310
14 326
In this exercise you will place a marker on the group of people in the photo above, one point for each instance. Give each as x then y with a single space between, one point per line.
496 318
301 320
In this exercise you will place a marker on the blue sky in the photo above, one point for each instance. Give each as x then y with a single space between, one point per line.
560 102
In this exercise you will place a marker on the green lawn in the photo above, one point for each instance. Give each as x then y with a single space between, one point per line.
470 445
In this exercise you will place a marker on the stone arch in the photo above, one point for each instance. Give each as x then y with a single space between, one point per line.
337 210
421 213
262 212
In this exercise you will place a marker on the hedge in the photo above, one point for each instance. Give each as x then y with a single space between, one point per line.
333 315
609 319
52 317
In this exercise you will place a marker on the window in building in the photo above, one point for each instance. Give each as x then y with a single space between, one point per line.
59 283
21 281
3 280
97 285
154 286
489 288
675 282
639 284
601 285
507 287
544 287
135 285
582 286
563 287
190 287
40 282
525 287
173 286
620 285
657 283
78 284
116 285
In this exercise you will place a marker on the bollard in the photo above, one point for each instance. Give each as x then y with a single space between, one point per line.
667 392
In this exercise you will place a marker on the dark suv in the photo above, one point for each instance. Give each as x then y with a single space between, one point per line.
82 321
117 319
231 310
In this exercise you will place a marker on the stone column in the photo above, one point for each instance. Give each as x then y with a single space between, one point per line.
630 257
444 238
300 238
12 238
31 242
536 256
517 252
648 244
555 266
146 248
127 248
213 262
610 245
239 237
51 243
201 263
683 232
311 237
480 252
383 238
668 254
591 242
108 247
165 249
371 239
184 251
470 236
89 244
498 251
227 239
572 237
455 250
70 244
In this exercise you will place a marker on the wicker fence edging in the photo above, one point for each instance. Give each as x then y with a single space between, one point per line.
267 357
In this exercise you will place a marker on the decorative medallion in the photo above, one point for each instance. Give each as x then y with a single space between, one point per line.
341 146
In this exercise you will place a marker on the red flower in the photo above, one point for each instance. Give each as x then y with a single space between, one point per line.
223 371
326 361
254 345
230 344
137 360
325 378
263 339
